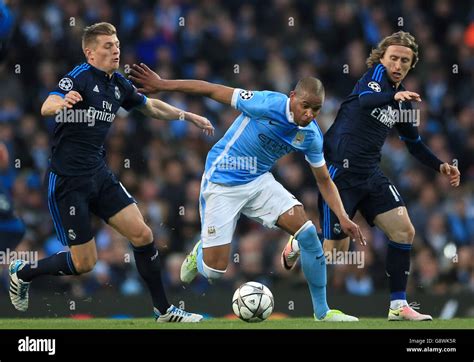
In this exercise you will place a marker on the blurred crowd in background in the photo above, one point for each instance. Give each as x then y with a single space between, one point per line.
253 45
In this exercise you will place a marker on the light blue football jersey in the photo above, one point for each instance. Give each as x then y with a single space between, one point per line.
264 132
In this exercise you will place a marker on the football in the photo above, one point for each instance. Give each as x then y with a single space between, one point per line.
252 302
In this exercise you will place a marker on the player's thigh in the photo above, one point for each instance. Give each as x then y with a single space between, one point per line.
396 224
274 206
118 208
385 208
68 203
220 207
130 223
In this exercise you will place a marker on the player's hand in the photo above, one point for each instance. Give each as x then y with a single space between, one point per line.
149 80
407 96
3 156
201 122
71 98
353 231
452 172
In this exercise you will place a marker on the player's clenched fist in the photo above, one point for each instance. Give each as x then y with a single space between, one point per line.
71 98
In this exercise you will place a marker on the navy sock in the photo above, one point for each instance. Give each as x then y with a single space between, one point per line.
57 264
398 268
148 265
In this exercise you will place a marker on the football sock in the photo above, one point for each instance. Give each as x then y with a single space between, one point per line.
148 265
398 268
57 264
200 265
313 264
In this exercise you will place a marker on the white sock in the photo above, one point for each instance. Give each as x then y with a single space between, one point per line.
398 303
294 245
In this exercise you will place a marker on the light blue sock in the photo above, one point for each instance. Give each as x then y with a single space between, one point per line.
313 263
199 261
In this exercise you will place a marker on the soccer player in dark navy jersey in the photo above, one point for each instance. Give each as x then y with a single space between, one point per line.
352 147
84 105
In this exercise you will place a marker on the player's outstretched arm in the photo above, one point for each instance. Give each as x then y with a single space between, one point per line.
150 82
418 149
54 103
329 192
158 109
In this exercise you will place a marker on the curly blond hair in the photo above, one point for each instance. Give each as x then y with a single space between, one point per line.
402 38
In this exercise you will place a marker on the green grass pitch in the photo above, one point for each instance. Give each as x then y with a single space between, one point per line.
221 323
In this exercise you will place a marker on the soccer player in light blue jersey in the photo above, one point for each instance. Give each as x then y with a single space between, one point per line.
237 178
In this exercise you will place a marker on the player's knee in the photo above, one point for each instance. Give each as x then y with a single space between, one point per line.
84 264
141 236
307 237
404 235
213 273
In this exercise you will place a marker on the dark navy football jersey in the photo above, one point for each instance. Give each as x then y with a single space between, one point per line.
355 139
79 134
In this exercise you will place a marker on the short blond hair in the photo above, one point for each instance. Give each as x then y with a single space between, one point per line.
402 38
93 31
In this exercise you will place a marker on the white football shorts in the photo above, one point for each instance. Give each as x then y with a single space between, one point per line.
263 200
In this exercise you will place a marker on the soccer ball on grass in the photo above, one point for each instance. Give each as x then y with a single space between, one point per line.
252 302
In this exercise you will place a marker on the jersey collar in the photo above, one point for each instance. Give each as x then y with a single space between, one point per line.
289 115
101 73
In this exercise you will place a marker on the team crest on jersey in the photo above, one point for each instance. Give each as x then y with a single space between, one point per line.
71 234
337 228
211 230
246 95
65 84
375 87
299 139
117 92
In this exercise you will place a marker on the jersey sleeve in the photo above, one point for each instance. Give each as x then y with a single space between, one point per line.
73 81
132 97
408 132
253 103
372 89
314 152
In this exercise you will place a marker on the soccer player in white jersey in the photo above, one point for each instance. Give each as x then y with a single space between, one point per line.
237 178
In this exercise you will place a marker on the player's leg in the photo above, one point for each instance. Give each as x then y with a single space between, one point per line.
274 206
219 209
118 208
69 210
397 226
334 239
385 208
130 223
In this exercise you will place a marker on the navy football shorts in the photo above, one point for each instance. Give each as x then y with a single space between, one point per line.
72 199
371 194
